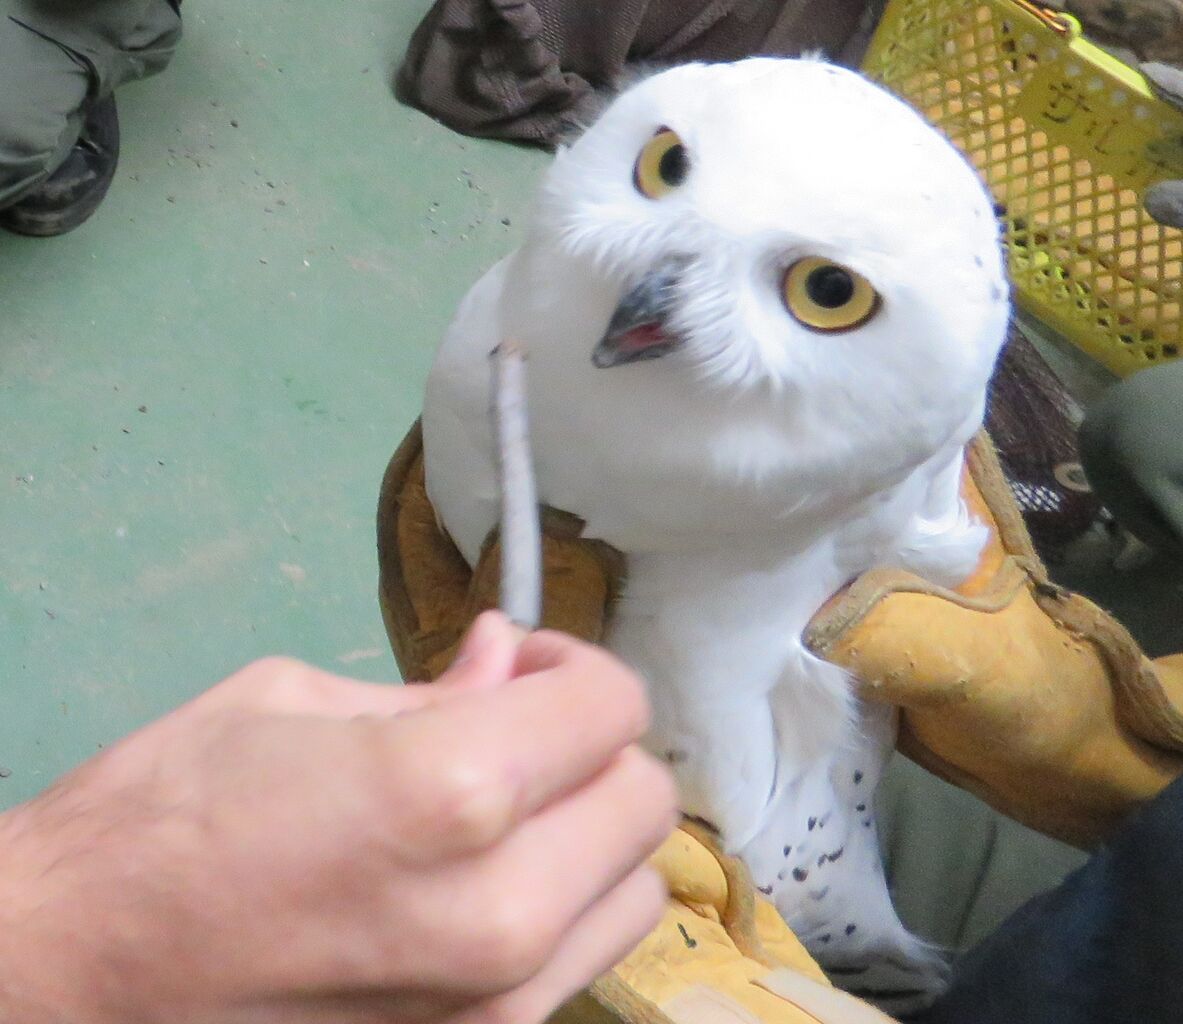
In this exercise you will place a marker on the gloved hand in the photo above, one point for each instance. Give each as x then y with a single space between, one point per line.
1026 695
720 954
1164 201
1012 688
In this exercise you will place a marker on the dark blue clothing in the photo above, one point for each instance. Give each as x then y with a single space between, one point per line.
1105 947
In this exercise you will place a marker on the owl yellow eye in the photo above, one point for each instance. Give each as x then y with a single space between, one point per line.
827 296
662 165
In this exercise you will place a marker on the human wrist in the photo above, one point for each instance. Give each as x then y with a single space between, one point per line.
48 970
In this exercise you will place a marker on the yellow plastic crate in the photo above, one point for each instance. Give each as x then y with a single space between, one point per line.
1068 139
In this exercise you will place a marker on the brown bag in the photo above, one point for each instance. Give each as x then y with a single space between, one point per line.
512 69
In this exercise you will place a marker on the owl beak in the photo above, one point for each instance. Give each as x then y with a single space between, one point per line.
638 328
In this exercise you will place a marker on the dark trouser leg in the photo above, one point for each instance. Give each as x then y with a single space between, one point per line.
55 57
1105 947
1131 445
121 40
42 91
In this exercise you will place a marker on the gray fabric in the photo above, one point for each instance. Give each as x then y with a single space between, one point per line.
1166 81
42 89
58 55
121 40
1164 202
956 868
1131 445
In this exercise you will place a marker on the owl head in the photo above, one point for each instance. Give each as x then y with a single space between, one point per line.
774 243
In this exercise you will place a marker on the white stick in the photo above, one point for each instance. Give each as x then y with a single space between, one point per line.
521 532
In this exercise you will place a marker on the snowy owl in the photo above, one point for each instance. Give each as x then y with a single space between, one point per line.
761 302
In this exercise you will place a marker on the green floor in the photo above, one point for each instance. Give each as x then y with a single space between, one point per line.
199 389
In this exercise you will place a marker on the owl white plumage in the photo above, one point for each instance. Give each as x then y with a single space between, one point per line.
761 302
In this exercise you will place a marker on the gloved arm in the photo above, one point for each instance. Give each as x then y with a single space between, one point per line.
1026 695
1016 690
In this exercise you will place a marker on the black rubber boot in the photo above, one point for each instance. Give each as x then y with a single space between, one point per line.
74 191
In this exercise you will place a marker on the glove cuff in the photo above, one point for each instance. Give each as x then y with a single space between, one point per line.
720 955
1011 687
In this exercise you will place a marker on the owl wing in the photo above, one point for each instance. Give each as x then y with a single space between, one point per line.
457 430
943 542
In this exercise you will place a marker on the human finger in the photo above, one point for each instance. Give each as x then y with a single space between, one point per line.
280 685
467 770
486 657
580 848
609 930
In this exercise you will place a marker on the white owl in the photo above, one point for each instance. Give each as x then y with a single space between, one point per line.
761 302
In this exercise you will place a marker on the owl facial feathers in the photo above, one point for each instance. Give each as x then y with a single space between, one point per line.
794 184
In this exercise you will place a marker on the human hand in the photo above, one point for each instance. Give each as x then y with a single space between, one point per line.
292 846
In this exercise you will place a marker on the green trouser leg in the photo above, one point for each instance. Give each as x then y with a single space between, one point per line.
55 56
1131 446
958 869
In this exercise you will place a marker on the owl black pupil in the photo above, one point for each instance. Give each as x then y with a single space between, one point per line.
673 165
830 287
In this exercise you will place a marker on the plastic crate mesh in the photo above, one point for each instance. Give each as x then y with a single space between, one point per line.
1068 143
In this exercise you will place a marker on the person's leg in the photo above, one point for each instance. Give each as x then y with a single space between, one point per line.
956 867
1106 945
120 40
60 61
1131 446
43 88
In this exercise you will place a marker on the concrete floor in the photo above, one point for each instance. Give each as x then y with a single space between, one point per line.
199 389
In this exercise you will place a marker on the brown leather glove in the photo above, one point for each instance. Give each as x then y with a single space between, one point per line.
721 955
1028 696
429 595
